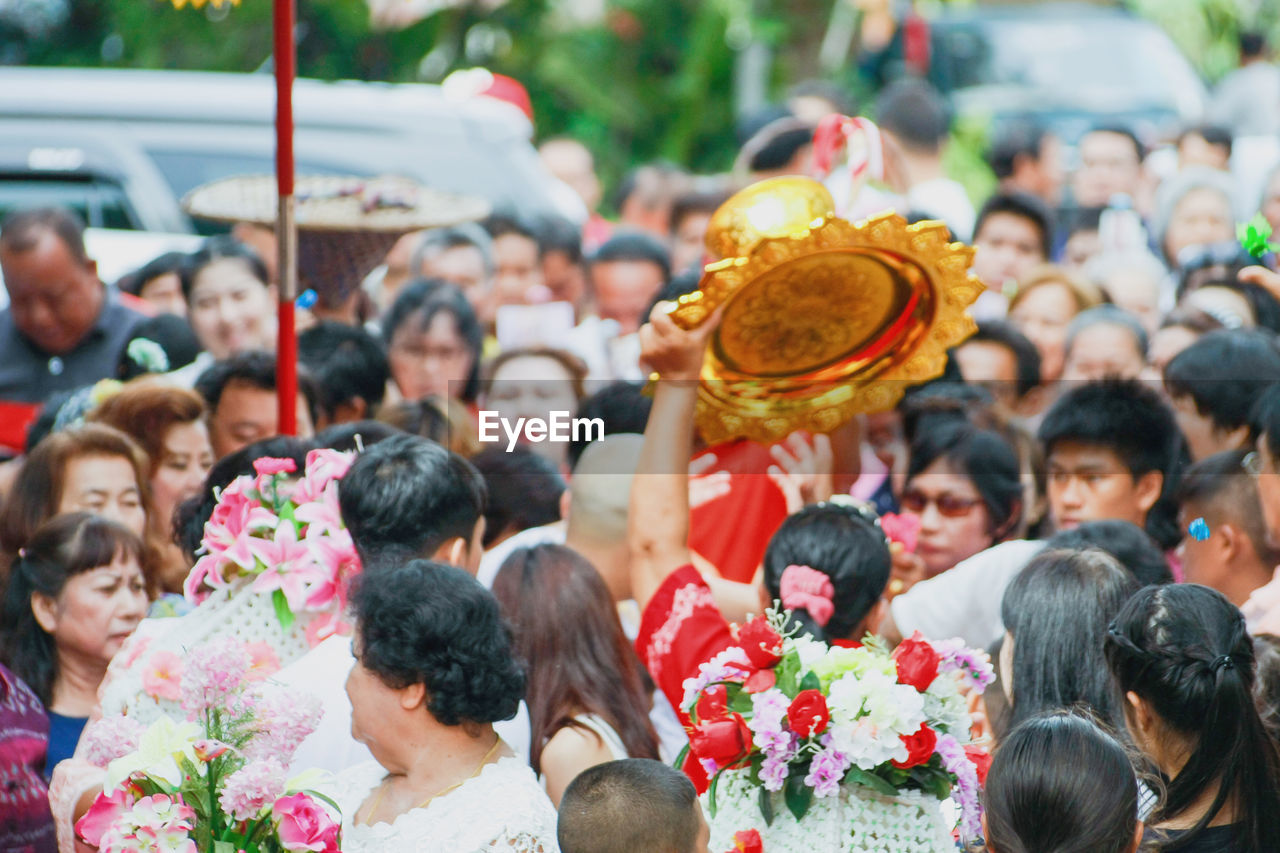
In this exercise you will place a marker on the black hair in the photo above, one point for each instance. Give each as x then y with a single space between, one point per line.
1085 219
504 222
190 516
1224 373
406 496
168 263
914 113
621 405
629 806
171 333
1129 419
1266 693
558 234
780 147
1133 547
634 246
1024 206
354 435
695 201
1265 418
64 546
347 362
1184 649
683 282
1252 44
1220 482
982 456
20 230
1015 140
255 368
1064 600
433 624
421 301
218 248
942 402
524 491
1126 132
1107 314
1059 783
843 542
1025 354
1214 134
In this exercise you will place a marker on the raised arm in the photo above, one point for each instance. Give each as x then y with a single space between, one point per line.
658 524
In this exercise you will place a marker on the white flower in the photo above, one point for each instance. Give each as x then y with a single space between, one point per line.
809 650
157 754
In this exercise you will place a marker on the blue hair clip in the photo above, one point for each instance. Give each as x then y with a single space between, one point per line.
306 299
1199 529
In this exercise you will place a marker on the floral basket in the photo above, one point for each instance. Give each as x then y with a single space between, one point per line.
817 747
274 566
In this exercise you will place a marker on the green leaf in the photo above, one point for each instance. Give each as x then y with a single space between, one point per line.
810 681
798 795
682 757
870 780
766 807
1254 235
787 671
283 613
711 794
223 847
741 702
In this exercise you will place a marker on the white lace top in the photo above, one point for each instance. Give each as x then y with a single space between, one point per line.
503 810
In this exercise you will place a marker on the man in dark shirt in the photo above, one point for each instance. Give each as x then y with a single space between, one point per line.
62 329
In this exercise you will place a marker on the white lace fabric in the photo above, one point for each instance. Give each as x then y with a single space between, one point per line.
502 810
856 821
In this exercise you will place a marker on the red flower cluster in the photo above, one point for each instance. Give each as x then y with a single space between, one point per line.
747 841
917 662
808 714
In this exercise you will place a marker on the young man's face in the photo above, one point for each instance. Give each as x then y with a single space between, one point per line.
1089 482
1009 246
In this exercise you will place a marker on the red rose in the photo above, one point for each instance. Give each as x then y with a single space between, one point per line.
762 644
747 841
981 761
760 681
917 662
723 741
808 714
920 747
713 703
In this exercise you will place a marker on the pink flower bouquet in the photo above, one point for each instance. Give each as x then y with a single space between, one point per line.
215 782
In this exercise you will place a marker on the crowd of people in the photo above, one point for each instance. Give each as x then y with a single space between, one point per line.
1090 493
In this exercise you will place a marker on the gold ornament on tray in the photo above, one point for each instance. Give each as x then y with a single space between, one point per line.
825 318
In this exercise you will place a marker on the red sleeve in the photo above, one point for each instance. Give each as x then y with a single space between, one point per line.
680 629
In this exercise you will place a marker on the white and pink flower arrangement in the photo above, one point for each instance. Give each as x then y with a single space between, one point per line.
287 535
840 747
216 781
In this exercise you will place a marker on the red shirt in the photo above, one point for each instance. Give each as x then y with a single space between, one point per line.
680 629
733 530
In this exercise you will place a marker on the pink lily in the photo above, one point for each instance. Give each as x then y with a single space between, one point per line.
290 566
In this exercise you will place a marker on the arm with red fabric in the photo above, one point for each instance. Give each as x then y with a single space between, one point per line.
681 625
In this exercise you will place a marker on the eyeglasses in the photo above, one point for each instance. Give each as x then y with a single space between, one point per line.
949 506
1252 463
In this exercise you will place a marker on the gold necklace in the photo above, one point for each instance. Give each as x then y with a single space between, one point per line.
382 789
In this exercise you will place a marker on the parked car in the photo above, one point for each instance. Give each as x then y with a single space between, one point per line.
1067 66
124 146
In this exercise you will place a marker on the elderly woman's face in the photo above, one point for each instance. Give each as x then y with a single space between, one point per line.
374 707
1200 218
96 611
434 359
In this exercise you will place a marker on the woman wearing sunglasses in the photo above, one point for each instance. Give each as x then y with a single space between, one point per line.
965 488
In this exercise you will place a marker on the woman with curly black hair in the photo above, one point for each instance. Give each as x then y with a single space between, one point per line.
434 670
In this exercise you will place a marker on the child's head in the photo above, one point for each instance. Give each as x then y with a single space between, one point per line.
1059 782
636 805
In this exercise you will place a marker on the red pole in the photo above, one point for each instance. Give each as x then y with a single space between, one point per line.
286 232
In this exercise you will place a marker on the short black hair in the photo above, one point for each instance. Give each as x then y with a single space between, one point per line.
166 264
982 456
1023 206
428 297
1220 481
1084 219
347 361
634 246
1005 334
354 436
695 201
1014 140
406 496
256 368
1265 418
561 236
1132 547
1224 373
217 248
621 405
1214 134
524 490
683 282
504 222
20 230
780 146
914 112
1121 130
636 805
171 333
1132 421
433 624
1252 43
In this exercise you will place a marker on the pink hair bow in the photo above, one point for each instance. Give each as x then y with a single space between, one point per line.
805 588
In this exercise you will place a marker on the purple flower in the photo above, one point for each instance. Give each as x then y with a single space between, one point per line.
212 674
774 772
826 771
768 710
967 790
974 666
282 721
